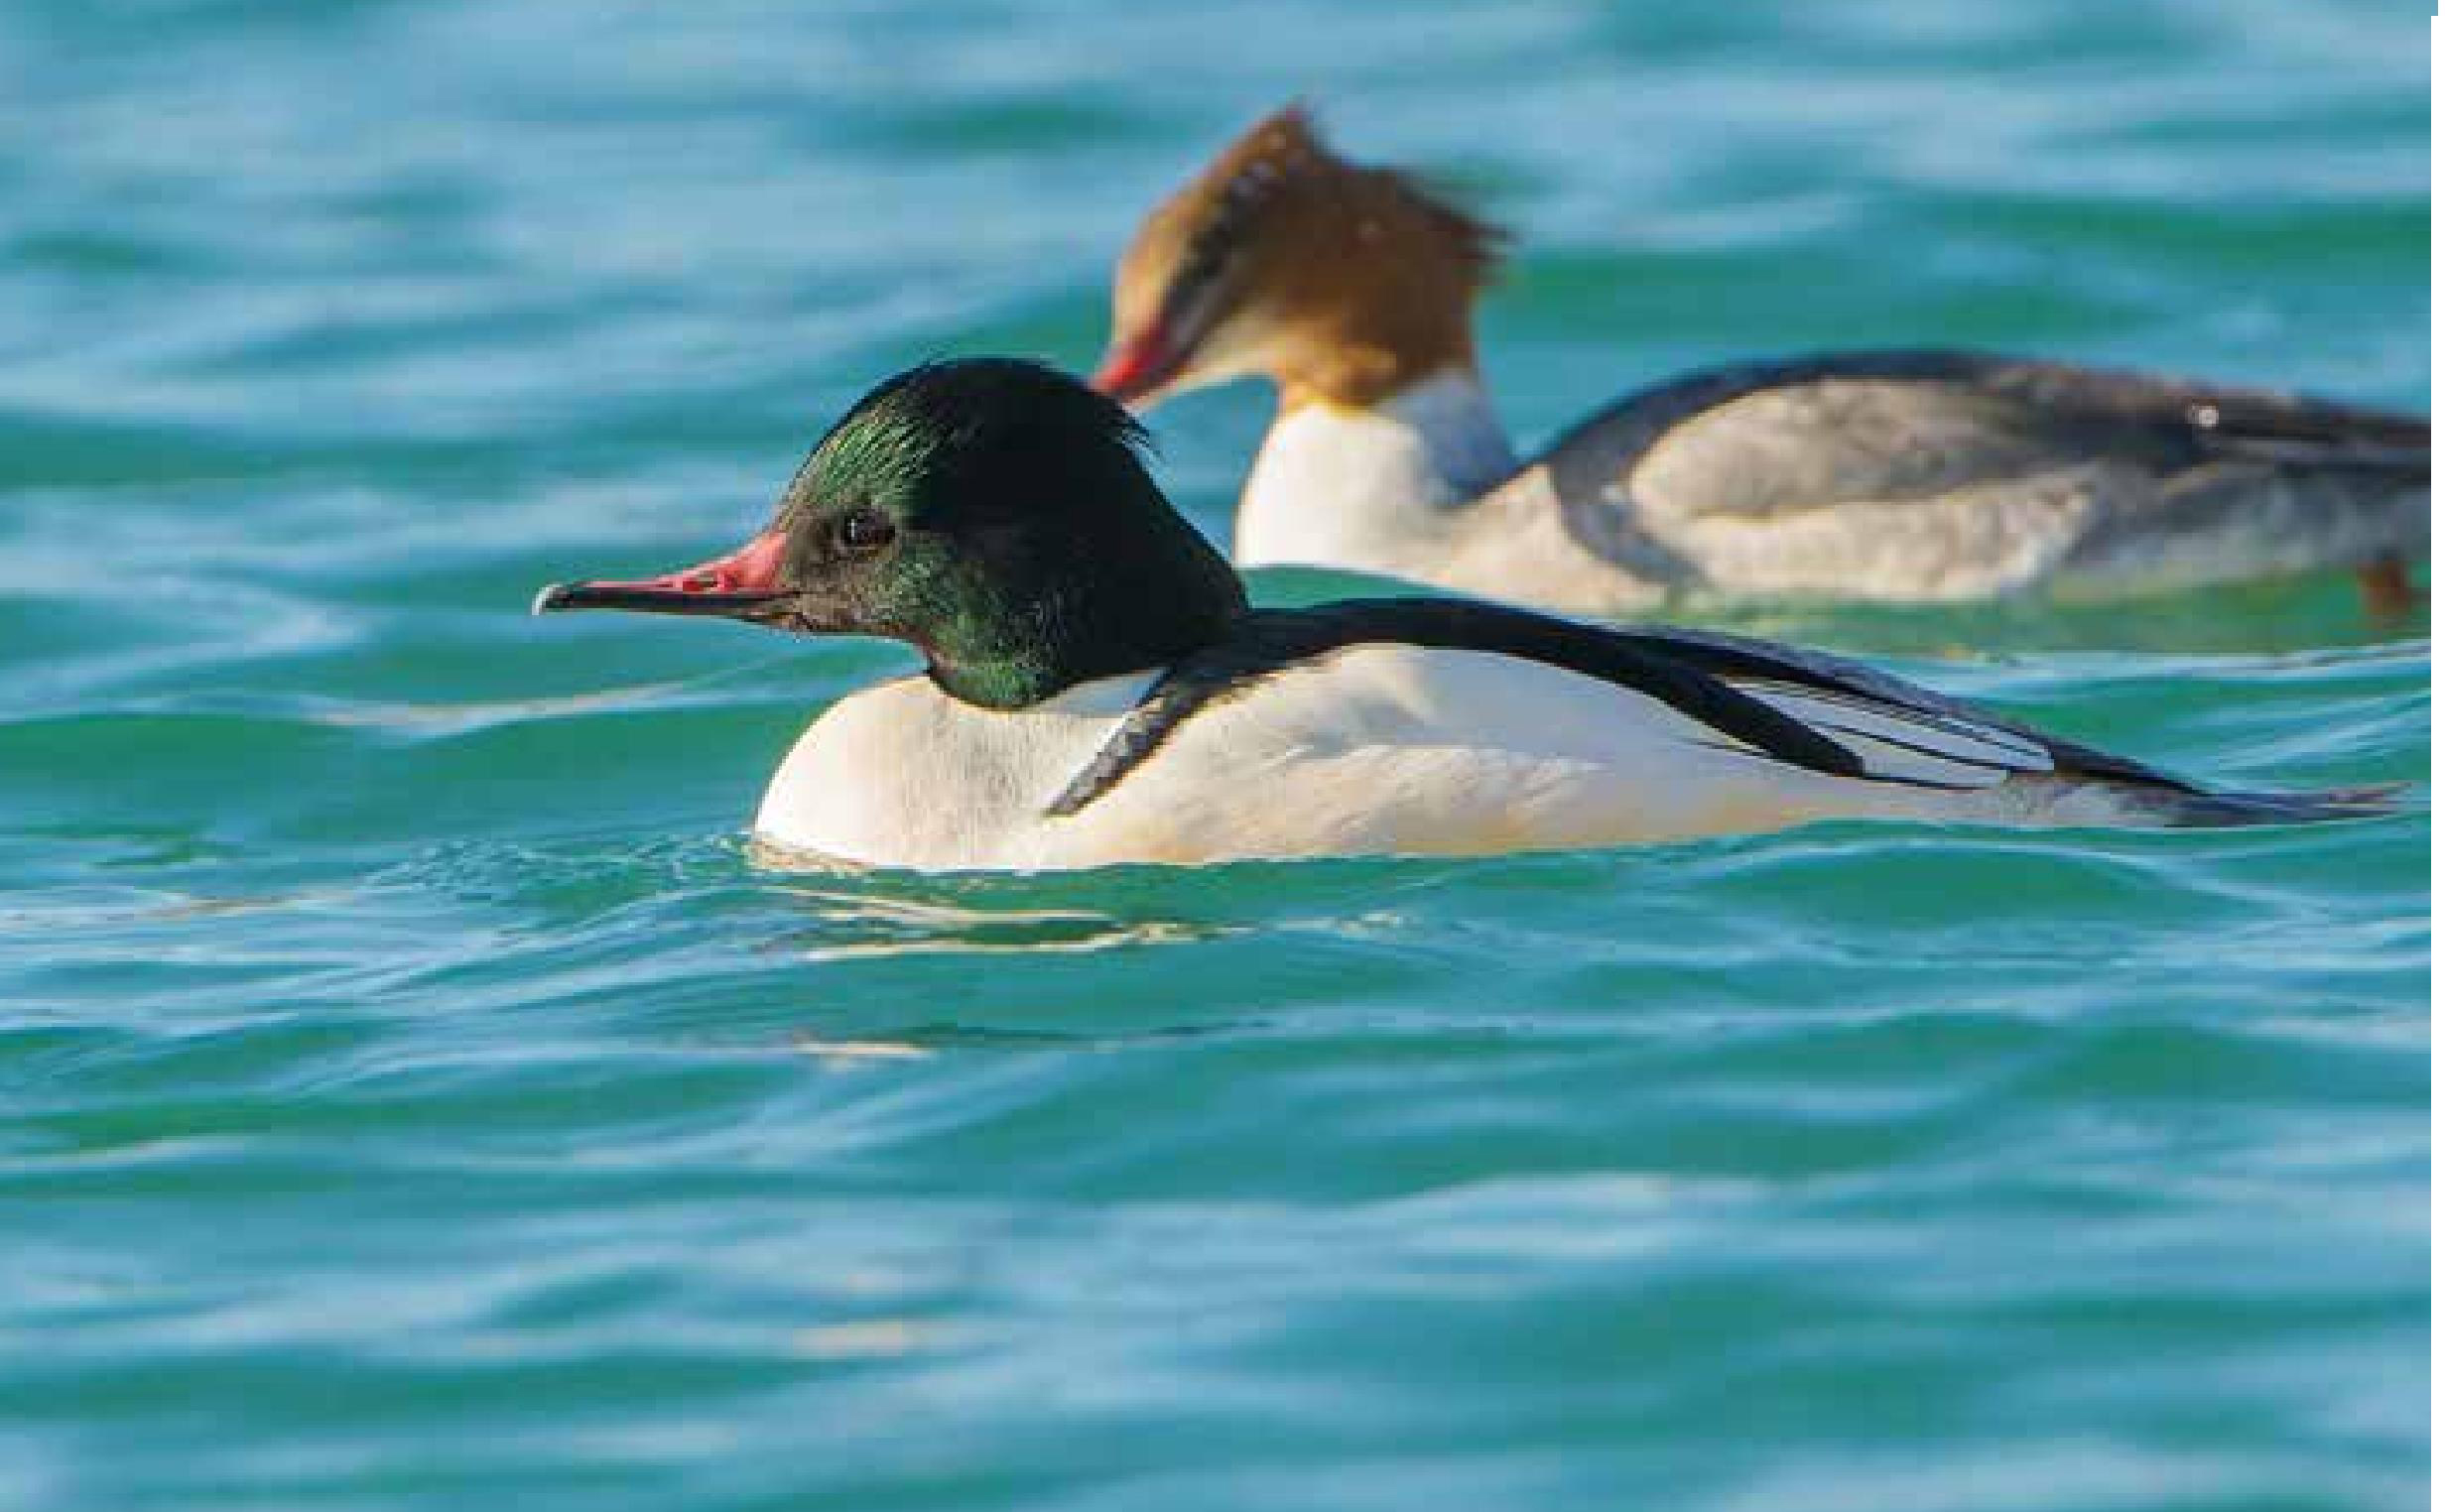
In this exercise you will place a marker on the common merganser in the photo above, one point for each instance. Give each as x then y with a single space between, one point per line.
1890 475
1096 689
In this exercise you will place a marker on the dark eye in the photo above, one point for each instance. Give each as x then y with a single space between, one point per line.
863 530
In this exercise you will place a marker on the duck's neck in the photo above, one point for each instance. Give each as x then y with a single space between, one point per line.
1129 587
1372 487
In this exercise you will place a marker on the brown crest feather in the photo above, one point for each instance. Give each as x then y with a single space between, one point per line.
1356 279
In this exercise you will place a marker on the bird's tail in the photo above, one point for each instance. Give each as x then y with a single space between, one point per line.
2202 809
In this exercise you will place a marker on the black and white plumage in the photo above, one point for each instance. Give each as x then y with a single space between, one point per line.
1445 727
1814 712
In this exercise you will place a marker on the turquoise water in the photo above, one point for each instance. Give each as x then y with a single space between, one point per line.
414 1096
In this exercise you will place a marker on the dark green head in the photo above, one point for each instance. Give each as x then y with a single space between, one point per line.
993 513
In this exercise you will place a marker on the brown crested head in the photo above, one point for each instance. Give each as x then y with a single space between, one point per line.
1340 282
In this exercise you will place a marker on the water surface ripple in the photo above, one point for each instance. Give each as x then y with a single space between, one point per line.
415 1093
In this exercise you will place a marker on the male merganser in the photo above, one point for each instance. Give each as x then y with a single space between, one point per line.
1891 475
1096 689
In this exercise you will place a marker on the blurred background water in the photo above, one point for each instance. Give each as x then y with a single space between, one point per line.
413 1094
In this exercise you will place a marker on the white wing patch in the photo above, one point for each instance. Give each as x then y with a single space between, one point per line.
1905 744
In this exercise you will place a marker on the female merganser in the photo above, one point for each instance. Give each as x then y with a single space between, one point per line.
1891 475
1096 689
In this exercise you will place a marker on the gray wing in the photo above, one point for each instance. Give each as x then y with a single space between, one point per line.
1938 473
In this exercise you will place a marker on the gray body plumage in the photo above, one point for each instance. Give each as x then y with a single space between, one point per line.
1944 474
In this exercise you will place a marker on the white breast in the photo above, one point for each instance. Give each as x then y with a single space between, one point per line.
1423 486
1378 750
904 775
1371 489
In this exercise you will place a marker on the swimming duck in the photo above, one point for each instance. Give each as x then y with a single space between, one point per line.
1096 689
1890 475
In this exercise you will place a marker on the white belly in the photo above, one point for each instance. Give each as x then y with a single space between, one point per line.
1375 750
